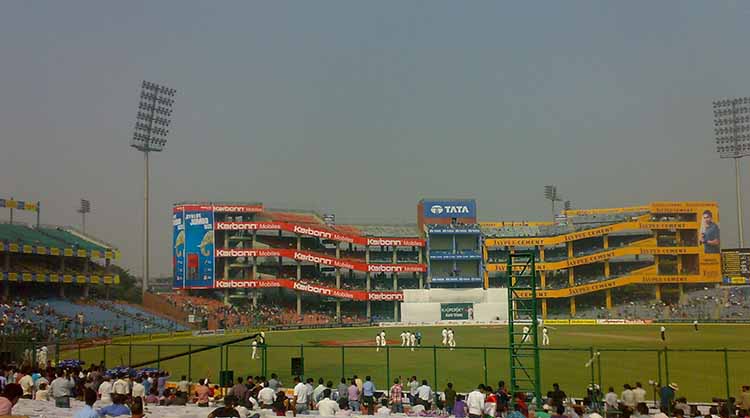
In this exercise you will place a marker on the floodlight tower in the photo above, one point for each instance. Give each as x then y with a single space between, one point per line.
732 132
550 193
83 210
153 119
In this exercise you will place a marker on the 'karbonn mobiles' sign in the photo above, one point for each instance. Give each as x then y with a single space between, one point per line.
456 311
449 208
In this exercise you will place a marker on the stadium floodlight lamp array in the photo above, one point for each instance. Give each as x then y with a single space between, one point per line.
150 135
732 133
153 117
550 193
83 210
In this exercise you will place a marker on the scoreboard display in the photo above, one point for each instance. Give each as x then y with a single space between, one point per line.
735 265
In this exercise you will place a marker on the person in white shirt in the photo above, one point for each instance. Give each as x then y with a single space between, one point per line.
424 393
317 393
383 410
444 334
663 332
628 397
138 389
545 336
300 400
475 402
610 399
254 354
105 391
377 342
121 386
383 341
451 339
525 335
27 384
327 407
639 393
42 394
403 339
412 341
266 397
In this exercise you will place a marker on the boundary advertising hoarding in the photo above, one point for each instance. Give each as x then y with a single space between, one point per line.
309 288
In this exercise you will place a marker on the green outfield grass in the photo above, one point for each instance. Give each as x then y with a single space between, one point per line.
700 374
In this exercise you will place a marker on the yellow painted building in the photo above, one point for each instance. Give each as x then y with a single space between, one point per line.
608 256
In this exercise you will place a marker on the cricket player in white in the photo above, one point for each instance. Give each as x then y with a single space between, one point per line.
403 339
412 341
545 336
451 339
525 334
378 342
444 333
254 354
663 332
383 341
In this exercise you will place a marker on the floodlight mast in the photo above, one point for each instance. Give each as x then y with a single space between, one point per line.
732 133
152 121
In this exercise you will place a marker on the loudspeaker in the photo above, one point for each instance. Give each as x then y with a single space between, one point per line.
298 366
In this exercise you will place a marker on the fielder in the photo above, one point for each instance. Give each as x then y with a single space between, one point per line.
403 339
378 342
525 338
419 338
695 325
444 333
451 339
545 336
254 354
663 332
412 341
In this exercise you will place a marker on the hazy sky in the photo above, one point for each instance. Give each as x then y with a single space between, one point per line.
362 108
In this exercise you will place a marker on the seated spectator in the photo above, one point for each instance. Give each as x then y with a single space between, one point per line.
117 408
344 410
89 396
43 393
383 410
202 393
11 395
153 397
136 408
228 410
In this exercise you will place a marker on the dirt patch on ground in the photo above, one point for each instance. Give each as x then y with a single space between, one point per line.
612 336
352 343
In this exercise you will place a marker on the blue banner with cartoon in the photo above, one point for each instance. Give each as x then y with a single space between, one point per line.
199 247
178 247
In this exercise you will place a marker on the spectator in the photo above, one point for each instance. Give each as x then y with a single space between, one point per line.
281 404
342 389
136 408
153 397
327 407
450 398
610 400
560 412
266 397
544 413
459 408
681 404
274 383
183 386
641 410
240 391
61 389
475 402
42 394
301 398
161 382
105 390
628 398
27 385
11 394
202 393
228 410
89 397
139 391
317 393
424 393
368 395
413 386
121 386
639 393
383 410
344 410
557 396
396 395
353 397
667 396
117 408
517 408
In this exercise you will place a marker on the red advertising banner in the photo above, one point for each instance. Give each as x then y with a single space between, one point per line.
219 208
318 232
322 259
358 295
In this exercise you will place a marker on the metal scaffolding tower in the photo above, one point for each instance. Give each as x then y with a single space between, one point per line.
523 341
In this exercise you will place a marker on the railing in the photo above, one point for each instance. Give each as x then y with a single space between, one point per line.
703 374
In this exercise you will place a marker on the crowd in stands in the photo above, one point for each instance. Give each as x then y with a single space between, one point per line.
49 319
96 392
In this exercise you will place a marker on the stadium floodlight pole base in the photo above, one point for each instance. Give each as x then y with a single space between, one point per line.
738 181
